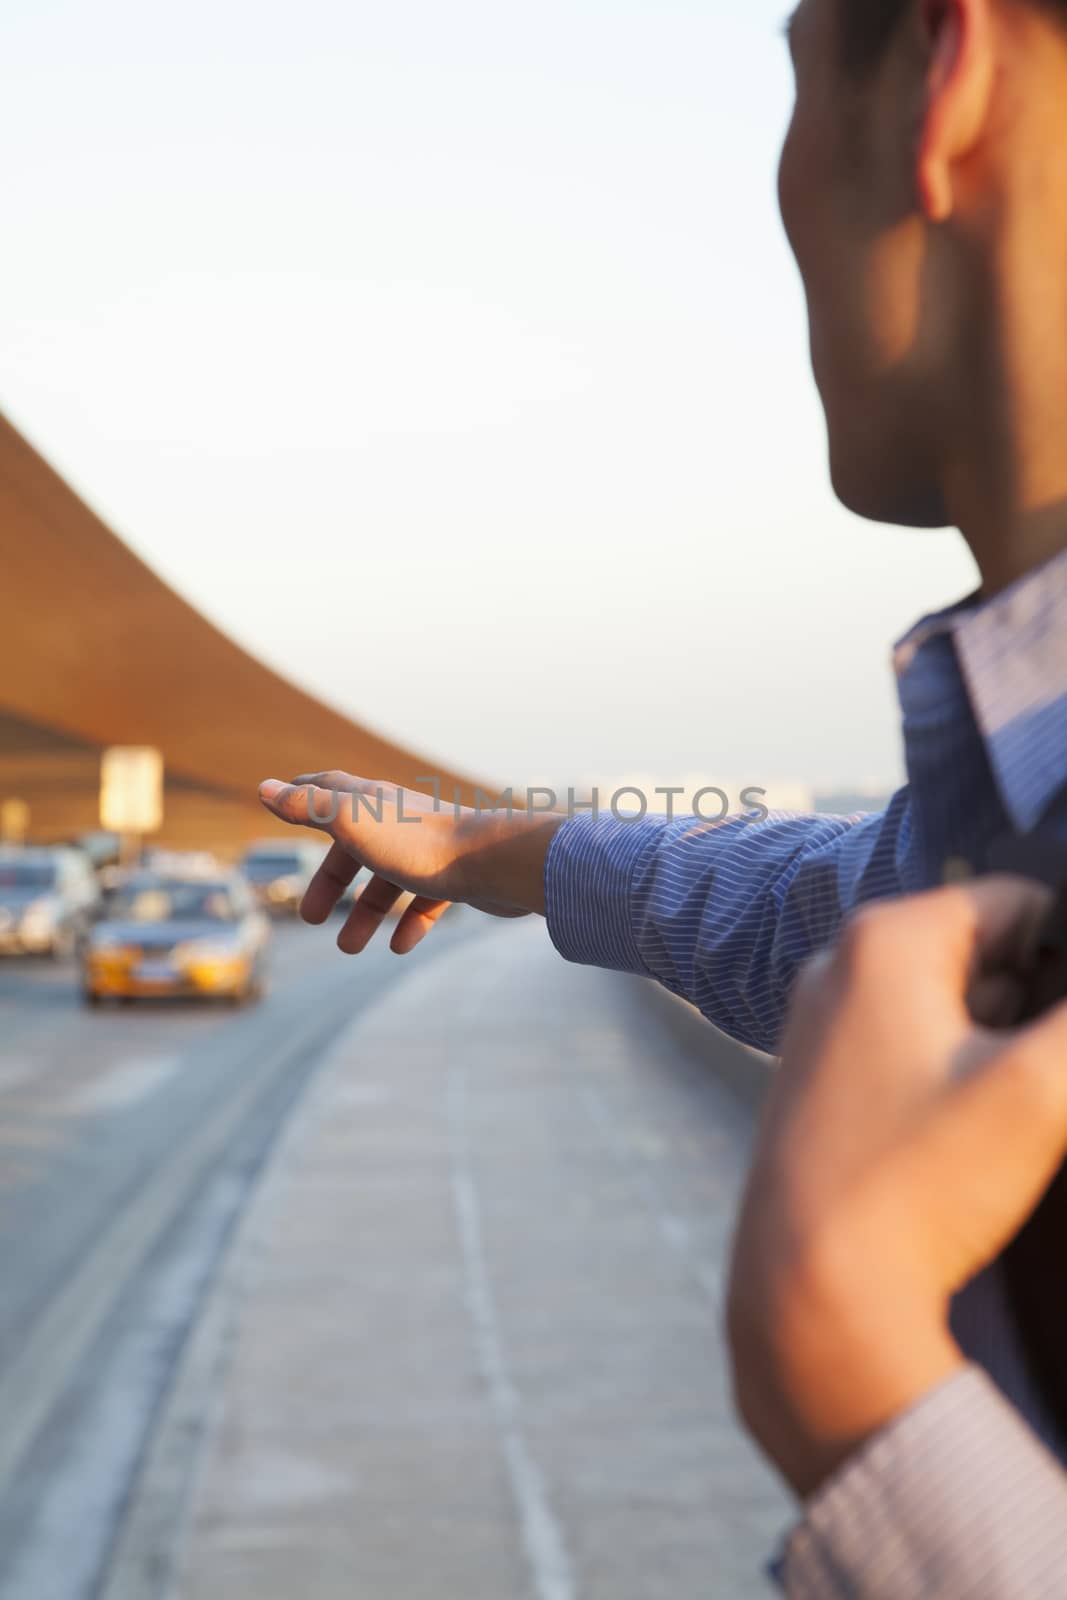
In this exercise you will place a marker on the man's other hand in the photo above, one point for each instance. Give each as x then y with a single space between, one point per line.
912 1129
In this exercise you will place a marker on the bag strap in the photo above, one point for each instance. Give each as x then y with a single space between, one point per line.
1035 1263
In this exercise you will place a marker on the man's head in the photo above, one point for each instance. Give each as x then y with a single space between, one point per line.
924 190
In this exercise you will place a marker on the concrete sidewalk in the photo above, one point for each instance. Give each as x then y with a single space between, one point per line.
475 1348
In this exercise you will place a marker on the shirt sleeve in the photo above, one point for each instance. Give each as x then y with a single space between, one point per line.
722 913
956 1500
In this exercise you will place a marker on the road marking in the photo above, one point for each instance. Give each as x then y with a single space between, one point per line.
542 1536
32 1383
151 1540
127 1083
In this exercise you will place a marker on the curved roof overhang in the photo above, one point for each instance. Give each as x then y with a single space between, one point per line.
96 650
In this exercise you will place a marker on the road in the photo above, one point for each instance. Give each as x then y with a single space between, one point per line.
128 1143
480 1351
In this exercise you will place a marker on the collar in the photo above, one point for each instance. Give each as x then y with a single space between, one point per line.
1011 653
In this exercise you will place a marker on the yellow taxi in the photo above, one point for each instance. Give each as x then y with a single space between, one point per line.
170 937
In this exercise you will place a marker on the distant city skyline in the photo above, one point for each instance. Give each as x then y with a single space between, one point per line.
456 365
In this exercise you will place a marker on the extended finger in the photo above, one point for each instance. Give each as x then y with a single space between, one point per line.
346 782
331 878
367 915
416 922
302 804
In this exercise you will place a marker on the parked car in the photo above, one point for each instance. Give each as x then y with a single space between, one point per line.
170 936
48 899
279 873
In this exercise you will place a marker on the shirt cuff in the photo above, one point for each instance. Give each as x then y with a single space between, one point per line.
591 872
957 1497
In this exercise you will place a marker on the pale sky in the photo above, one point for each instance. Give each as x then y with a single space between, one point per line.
452 358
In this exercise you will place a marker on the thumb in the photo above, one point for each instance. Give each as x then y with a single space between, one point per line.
303 805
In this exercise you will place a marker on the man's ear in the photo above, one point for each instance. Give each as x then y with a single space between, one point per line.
958 44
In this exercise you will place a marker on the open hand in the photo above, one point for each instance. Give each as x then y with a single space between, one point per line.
440 854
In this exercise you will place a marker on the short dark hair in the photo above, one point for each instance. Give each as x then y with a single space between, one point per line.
869 26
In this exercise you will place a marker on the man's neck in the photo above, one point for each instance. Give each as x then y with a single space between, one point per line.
1006 490
1020 545
1006 486
1015 543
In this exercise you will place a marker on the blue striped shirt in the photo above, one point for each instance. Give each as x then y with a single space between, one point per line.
725 914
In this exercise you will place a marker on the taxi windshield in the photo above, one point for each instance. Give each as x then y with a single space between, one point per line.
174 902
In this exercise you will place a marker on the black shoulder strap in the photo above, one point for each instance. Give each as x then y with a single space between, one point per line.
1035 1263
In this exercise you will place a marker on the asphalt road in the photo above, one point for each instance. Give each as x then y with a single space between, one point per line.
478 1353
129 1141
472 1345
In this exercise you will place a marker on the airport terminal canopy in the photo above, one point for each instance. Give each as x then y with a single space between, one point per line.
96 650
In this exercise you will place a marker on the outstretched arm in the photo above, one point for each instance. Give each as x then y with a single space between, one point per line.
720 913
494 861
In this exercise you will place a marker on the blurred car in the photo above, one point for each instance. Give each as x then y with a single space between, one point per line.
102 849
48 900
169 936
280 873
